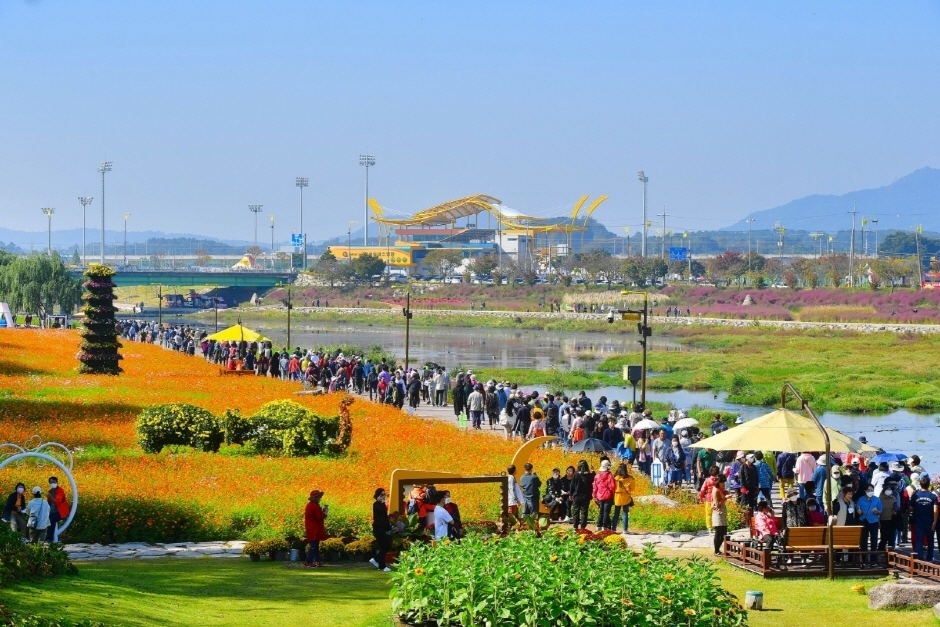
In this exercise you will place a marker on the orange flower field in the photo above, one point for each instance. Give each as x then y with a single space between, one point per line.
185 495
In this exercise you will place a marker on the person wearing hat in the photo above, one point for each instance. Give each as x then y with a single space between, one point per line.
314 528
475 406
37 513
794 512
381 528
733 484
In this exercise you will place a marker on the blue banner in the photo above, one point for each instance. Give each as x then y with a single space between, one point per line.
679 254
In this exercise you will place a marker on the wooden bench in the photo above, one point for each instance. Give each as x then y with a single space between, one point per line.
806 538
845 537
223 372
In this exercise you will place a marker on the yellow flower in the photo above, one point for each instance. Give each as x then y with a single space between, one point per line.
627 602
518 576
731 612
669 576
642 572
419 571
553 558
446 542
644 562
717 611
689 612
663 599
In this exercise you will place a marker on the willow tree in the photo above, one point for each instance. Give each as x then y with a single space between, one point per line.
38 283
99 350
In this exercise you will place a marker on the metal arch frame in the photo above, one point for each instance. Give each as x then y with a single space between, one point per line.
11 445
68 473
56 444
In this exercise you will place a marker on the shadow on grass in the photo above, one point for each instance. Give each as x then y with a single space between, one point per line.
65 411
18 369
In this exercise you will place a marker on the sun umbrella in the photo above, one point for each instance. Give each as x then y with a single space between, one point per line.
782 430
646 423
685 423
887 457
237 333
591 445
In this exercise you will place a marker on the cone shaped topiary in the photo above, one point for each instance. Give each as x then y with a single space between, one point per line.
99 349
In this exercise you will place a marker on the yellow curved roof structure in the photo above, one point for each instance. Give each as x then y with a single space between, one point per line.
448 212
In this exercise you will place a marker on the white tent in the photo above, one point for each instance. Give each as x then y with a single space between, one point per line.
6 317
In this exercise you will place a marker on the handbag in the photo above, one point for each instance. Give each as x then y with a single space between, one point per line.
503 419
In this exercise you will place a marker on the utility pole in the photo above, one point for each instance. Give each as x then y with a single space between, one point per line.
367 161
104 167
749 221
272 242
920 269
85 200
852 246
663 216
644 179
864 238
49 211
302 182
406 311
875 222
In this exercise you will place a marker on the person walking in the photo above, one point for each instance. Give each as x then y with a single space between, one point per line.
603 492
58 507
475 406
869 512
515 492
582 486
786 462
924 515
674 462
804 469
314 528
719 498
531 486
381 530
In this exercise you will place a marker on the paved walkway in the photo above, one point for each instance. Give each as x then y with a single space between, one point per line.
233 548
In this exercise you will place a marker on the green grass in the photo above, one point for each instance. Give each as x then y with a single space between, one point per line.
838 371
206 592
553 379
209 591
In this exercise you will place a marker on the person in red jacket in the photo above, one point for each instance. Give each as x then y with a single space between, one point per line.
58 508
314 515
603 493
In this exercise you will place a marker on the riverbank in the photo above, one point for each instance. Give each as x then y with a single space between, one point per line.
546 321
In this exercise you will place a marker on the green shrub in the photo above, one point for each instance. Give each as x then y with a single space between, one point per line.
522 579
19 561
178 423
236 429
291 429
333 544
12 619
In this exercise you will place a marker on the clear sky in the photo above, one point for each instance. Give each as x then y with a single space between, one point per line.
207 107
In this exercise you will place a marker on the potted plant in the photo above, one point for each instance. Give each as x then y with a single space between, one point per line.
254 550
360 549
298 547
276 549
332 548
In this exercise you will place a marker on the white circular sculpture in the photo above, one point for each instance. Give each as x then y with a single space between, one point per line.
35 453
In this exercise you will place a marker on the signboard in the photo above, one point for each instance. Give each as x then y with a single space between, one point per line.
632 317
633 374
678 254
296 240
391 256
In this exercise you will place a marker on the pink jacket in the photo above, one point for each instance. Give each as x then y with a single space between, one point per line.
604 486
765 524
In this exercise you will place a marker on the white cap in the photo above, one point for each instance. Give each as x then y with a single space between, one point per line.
605 465
822 460
739 421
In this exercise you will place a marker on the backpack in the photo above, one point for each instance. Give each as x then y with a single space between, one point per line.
725 457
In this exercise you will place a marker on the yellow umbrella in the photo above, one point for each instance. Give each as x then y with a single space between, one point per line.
237 333
782 430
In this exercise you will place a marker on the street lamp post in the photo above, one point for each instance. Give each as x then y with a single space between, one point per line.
49 211
643 179
255 209
287 303
749 221
302 182
349 239
272 242
85 200
104 167
875 222
367 161
126 216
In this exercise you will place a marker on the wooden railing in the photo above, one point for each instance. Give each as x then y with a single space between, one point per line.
910 566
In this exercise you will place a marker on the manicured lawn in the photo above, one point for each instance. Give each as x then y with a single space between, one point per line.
205 592
209 592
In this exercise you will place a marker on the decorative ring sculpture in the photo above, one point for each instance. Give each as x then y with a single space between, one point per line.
36 454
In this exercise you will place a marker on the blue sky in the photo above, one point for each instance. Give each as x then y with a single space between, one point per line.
207 107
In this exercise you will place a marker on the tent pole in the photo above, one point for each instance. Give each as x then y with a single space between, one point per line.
805 406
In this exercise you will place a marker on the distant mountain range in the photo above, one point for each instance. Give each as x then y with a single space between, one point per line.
911 200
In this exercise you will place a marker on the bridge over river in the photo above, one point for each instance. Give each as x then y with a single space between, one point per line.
259 280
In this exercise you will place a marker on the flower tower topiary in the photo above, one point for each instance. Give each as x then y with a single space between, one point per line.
99 354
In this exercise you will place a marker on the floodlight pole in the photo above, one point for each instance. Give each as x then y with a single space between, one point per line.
49 211
255 209
85 200
643 179
302 182
805 406
104 167
367 161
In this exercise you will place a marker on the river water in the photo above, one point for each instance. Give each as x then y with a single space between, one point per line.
509 348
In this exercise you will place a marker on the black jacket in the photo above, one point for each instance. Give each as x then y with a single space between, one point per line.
380 523
582 486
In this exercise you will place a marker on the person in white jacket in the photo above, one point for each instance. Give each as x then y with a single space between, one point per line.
515 492
37 512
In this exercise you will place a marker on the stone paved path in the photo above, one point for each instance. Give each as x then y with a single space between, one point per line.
233 548
141 550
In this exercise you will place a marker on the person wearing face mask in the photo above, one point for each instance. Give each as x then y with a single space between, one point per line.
869 512
37 511
843 509
890 513
455 531
794 512
59 508
13 512
813 512
554 499
674 459
381 529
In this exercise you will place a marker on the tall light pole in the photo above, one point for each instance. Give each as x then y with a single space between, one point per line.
643 179
864 239
302 182
875 222
49 211
255 209
272 241
85 200
126 216
349 239
749 221
852 246
368 161
104 167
